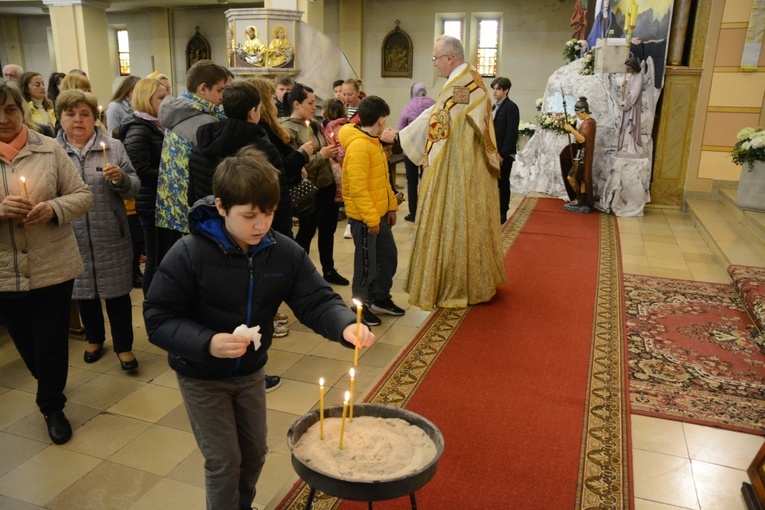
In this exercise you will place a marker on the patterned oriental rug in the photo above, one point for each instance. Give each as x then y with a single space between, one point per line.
528 390
693 354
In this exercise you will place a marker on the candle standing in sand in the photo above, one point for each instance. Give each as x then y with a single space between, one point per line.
24 185
353 375
357 302
342 423
321 408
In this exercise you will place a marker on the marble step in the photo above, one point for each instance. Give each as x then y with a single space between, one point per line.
729 239
754 221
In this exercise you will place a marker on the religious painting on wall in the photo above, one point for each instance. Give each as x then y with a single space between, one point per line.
397 54
197 49
250 47
651 33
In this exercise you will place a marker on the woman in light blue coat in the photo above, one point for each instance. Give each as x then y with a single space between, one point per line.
102 234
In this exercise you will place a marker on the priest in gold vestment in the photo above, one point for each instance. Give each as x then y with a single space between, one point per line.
457 258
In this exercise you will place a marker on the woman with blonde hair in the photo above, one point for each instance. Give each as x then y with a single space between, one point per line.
74 81
353 96
164 80
268 112
143 135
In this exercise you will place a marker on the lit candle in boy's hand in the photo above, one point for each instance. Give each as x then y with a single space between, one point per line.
353 375
357 302
321 408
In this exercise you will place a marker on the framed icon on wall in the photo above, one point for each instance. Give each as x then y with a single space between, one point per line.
397 53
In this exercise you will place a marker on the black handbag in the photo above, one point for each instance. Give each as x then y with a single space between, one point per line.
303 198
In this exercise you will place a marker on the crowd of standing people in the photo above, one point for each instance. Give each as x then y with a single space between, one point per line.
197 187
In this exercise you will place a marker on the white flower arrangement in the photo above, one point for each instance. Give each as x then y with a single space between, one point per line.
574 49
588 66
750 147
526 128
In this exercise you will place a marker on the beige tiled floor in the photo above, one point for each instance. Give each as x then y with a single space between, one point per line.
133 449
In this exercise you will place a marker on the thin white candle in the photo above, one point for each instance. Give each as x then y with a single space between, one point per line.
342 423
353 375
103 148
24 185
321 409
357 302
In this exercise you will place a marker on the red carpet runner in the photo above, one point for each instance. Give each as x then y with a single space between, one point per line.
527 390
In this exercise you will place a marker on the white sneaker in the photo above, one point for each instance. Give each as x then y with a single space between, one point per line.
281 318
280 330
347 233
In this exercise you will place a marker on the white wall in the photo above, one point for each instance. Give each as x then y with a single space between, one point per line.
212 25
37 50
533 36
139 30
35 44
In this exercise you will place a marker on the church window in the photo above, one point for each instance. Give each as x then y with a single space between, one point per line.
488 47
453 27
123 49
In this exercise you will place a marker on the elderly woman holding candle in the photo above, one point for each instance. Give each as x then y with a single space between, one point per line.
302 128
39 252
103 234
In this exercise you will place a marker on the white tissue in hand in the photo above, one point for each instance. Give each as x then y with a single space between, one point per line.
252 333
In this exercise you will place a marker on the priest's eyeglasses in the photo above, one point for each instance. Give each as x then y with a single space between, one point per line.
440 56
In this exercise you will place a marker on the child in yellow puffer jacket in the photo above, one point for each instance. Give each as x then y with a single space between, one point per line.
371 208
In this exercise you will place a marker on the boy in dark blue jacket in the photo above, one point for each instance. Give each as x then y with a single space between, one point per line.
234 270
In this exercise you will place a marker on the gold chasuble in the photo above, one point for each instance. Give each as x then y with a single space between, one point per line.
457 257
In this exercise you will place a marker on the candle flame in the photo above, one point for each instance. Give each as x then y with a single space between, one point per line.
103 145
356 301
23 179
307 123
347 397
353 373
321 381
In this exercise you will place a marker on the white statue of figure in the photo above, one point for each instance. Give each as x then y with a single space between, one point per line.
630 140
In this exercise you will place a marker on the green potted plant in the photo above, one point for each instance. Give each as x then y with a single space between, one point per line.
749 152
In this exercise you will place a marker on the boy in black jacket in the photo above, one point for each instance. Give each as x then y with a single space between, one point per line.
232 271
221 139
